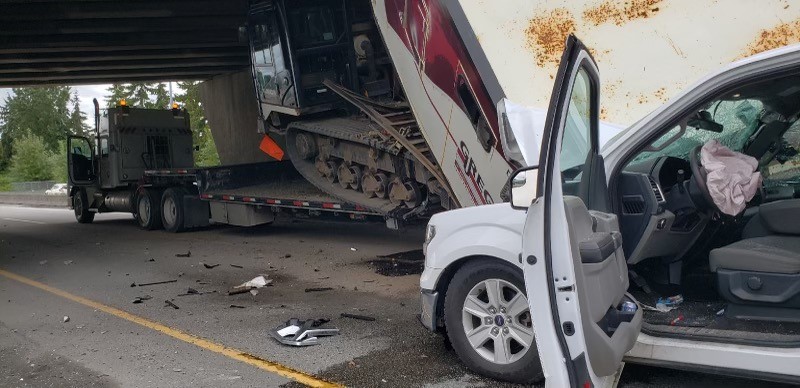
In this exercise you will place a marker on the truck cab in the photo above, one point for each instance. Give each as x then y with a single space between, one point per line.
636 254
105 170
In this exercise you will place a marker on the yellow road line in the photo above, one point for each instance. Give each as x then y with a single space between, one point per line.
269 366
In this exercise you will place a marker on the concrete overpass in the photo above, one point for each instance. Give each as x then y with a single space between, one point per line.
100 41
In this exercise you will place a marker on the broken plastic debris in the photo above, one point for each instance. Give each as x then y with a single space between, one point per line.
66 319
253 291
154 283
721 312
257 282
209 266
359 317
353 249
667 304
140 299
302 333
170 304
318 289
250 286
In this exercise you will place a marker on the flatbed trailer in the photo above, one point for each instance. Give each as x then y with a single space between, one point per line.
228 195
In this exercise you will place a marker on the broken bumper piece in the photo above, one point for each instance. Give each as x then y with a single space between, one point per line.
302 333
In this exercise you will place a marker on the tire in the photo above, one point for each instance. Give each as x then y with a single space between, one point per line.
148 208
80 204
172 216
487 318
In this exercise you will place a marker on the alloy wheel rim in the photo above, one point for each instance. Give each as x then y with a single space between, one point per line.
497 322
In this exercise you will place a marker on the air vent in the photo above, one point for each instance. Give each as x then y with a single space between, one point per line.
656 190
633 205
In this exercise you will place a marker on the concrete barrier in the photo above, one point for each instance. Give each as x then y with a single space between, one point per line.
33 199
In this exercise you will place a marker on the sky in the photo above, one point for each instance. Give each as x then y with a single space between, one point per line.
85 95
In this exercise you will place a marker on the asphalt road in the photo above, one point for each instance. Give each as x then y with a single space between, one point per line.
104 345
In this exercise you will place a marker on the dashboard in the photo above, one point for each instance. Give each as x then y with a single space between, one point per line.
657 216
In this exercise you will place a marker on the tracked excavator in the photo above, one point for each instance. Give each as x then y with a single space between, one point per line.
345 83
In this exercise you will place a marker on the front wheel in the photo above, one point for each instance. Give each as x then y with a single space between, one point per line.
148 208
80 204
488 321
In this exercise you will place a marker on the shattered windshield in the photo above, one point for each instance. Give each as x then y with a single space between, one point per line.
738 118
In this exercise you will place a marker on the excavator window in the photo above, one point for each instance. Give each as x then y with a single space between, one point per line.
472 109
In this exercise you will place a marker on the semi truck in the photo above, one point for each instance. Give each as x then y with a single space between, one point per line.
397 109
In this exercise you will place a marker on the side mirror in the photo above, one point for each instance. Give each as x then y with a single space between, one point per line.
523 184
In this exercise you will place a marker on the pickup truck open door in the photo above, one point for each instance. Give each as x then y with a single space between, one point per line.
575 271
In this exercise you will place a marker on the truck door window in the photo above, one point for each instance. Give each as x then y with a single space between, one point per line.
473 111
576 144
103 146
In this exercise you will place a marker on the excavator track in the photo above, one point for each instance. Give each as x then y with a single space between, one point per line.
381 162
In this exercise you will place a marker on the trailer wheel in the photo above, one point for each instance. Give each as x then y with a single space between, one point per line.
172 210
148 209
80 204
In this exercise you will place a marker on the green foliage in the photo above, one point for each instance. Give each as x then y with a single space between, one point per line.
5 182
39 111
58 163
140 95
31 161
77 118
201 132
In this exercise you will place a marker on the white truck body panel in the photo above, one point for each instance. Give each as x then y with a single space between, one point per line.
647 50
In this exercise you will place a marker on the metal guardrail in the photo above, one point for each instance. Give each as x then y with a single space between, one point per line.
36 186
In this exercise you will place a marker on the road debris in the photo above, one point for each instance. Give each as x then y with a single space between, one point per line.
187 254
236 306
140 299
353 249
251 285
400 263
66 319
43 262
318 289
153 283
359 317
170 304
67 262
209 266
151 259
302 333
236 266
191 291
288 255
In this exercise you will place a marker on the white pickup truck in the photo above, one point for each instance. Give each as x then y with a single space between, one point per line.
564 246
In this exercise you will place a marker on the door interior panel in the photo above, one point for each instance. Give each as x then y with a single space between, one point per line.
602 280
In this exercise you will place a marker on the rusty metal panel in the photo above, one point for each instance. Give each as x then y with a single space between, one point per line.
647 50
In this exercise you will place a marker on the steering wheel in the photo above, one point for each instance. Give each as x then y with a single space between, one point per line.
699 178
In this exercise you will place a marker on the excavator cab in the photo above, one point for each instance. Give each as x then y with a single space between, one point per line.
296 45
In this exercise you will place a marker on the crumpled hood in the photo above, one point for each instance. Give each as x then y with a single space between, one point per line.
732 177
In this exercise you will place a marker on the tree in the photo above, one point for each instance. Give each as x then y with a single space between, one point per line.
117 93
31 160
77 118
139 94
189 98
38 111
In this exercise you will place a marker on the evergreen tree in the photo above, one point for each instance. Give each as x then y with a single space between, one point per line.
117 92
77 118
189 99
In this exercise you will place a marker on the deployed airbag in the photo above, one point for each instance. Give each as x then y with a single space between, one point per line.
732 177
